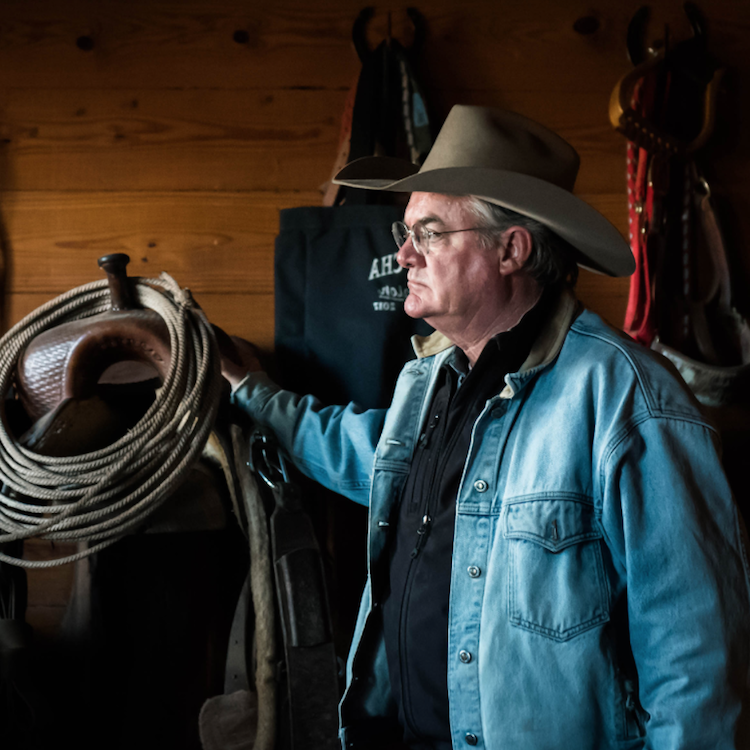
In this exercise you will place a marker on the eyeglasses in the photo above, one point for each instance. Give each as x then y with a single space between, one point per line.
422 238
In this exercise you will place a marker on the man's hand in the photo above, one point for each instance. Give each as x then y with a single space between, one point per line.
239 362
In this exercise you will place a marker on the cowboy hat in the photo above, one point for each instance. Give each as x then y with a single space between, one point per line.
506 159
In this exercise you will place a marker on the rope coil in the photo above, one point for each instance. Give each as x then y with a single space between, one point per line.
100 497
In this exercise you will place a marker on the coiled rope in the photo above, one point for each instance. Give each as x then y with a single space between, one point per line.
99 497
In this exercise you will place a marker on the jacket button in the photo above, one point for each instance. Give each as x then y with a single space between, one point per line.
471 739
480 485
499 410
474 571
464 656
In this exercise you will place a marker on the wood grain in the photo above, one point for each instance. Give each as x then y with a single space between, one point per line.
193 139
213 241
250 316
292 43
604 295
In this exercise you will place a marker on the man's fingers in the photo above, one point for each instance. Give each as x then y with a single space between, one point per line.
247 353
238 358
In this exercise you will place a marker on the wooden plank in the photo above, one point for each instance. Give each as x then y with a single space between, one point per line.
207 241
104 139
247 315
534 46
614 207
175 44
604 295
292 43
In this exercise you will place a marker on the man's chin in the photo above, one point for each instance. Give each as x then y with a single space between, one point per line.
412 308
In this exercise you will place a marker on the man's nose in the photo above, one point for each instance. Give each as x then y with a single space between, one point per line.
407 255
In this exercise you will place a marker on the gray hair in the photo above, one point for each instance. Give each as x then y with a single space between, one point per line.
552 259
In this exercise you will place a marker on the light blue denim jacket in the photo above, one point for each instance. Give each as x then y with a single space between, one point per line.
599 585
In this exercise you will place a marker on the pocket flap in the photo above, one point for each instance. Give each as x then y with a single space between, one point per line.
553 523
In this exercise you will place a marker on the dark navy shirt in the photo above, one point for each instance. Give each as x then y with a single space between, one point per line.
415 607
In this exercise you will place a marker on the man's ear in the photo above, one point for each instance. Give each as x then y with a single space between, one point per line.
514 250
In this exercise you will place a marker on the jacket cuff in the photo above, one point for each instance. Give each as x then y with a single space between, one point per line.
252 393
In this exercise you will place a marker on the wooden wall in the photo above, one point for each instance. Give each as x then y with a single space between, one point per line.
175 131
146 127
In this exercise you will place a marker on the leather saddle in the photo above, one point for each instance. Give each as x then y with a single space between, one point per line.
82 384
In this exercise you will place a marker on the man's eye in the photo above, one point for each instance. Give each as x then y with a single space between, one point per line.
436 237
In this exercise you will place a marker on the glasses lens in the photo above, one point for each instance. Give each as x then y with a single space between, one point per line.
400 232
420 245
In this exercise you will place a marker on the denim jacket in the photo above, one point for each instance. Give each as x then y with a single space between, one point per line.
599 594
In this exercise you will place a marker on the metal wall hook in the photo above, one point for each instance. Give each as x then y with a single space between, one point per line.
359 31
639 50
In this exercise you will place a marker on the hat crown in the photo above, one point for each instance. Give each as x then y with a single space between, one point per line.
497 139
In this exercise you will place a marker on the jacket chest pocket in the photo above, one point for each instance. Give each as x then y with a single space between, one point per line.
557 585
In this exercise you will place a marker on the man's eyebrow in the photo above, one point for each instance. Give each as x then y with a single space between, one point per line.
430 220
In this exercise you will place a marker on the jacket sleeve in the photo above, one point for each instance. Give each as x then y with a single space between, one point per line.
675 531
334 445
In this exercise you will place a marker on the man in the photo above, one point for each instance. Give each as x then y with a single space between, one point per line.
555 559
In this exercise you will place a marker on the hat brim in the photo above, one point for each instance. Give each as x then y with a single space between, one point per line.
600 245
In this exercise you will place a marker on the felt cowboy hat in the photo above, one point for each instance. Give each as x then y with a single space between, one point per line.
506 159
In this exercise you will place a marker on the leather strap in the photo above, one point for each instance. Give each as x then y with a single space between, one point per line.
311 667
261 589
236 673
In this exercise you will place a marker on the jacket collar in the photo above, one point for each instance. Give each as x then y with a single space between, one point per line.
546 347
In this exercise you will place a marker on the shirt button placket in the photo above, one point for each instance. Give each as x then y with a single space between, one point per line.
471 739
464 656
